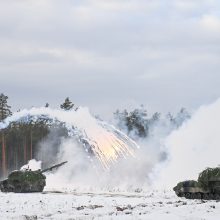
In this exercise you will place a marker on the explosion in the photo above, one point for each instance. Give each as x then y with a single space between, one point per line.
108 148
106 142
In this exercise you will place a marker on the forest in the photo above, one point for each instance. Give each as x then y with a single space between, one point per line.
21 140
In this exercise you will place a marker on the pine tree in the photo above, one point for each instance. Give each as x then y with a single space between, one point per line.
4 107
4 113
67 105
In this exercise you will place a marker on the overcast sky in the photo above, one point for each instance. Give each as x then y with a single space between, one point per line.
108 54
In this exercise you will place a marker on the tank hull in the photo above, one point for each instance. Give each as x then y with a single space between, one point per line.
24 182
6 186
194 190
27 181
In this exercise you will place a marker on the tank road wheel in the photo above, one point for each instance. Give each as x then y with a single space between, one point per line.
188 195
211 196
217 196
10 189
206 196
180 194
193 196
198 196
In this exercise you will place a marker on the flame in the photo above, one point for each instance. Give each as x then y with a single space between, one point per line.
110 144
109 149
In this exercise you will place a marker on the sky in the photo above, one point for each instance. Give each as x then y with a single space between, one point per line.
109 54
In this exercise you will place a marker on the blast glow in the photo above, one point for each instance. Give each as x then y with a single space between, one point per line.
106 142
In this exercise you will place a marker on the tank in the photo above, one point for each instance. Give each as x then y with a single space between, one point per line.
25 181
207 186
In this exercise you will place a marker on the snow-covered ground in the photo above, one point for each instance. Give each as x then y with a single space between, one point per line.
72 205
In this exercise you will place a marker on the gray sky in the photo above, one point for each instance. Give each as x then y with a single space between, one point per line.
108 54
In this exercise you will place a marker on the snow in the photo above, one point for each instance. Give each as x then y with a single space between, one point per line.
105 205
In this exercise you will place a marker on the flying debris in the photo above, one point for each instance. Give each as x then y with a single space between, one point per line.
106 142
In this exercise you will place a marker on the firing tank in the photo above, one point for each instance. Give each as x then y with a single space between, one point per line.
25 181
207 186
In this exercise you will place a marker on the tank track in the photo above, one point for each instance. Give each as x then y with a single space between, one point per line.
204 196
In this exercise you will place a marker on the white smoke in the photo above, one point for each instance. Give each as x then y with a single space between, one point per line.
83 172
32 165
163 160
191 148
126 174
106 142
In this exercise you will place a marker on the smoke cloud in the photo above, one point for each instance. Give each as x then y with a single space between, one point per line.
191 148
32 165
166 157
84 172
132 173
104 140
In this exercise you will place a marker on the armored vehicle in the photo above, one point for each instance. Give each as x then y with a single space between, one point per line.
24 181
206 187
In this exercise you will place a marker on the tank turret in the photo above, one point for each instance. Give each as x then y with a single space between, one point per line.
24 181
206 187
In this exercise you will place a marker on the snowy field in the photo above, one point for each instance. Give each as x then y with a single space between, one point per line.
62 205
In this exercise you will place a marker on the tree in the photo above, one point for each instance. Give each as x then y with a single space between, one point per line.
155 116
4 107
4 113
135 122
67 105
182 116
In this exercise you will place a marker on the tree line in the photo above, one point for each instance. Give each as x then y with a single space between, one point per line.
139 124
20 140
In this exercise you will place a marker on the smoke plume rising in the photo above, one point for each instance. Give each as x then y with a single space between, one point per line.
105 141
191 148
32 165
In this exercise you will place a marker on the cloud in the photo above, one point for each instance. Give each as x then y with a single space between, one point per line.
211 23
104 53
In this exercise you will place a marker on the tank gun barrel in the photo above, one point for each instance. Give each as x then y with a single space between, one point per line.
53 167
